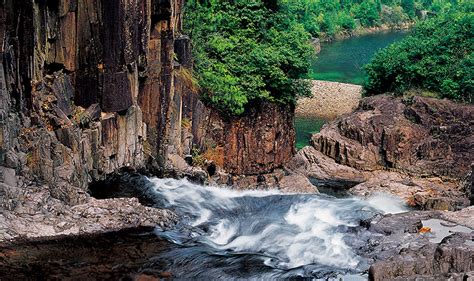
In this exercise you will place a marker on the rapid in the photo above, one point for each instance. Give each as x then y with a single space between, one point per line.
262 234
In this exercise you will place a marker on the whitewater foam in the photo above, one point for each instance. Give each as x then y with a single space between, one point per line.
287 231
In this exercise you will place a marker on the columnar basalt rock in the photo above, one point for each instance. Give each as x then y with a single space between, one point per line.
63 60
86 90
89 88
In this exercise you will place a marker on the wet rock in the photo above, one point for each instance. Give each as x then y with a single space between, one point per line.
425 193
453 255
426 244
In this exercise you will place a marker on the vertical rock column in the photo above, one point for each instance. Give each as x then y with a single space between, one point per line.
157 93
80 83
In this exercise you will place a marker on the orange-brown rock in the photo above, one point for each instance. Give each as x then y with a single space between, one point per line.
257 143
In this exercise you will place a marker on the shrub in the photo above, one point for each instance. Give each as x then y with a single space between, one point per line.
437 56
247 51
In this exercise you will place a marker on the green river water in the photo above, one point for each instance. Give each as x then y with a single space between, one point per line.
342 61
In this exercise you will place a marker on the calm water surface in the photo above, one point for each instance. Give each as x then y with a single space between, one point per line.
305 128
341 60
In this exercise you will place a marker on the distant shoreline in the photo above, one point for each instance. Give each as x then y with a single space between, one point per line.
365 30
329 100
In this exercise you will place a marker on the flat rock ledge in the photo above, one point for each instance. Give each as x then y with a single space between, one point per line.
406 249
34 214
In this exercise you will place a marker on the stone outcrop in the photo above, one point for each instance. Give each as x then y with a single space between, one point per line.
35 213
419 149
86 90
422 192
91 88
408 252
420 136
257 143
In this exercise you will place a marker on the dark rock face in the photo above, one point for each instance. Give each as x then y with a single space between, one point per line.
259 142
73 78
414 256
89 88
423 136
61 58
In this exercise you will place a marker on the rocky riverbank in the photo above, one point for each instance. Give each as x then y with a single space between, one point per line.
419 149
329 100
367 30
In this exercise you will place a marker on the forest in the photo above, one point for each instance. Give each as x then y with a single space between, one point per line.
326 18
248 51
436 59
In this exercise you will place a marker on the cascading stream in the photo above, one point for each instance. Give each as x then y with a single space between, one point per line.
243 234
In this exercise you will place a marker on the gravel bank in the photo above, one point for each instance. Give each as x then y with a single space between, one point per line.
329 100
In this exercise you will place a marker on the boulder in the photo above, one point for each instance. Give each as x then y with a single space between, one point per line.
422 136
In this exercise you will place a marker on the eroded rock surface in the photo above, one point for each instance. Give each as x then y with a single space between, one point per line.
419 149
422 192
74 82
405 249
257 143
422 136
33 212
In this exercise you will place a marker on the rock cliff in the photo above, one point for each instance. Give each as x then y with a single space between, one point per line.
86 88
419 149
90 88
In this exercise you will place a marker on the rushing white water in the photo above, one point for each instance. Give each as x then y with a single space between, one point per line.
285 232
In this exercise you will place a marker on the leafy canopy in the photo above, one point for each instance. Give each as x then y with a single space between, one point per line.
330 17
437 56
247 51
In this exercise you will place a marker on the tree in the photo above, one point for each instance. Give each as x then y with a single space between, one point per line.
409 7
246 52
438 56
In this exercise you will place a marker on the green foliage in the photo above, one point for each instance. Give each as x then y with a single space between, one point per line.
438 57
328 17
409 7
247 51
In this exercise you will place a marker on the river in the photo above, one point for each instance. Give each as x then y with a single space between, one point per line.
222 233
342 61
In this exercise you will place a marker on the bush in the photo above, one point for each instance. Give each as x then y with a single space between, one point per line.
246 51
437 56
